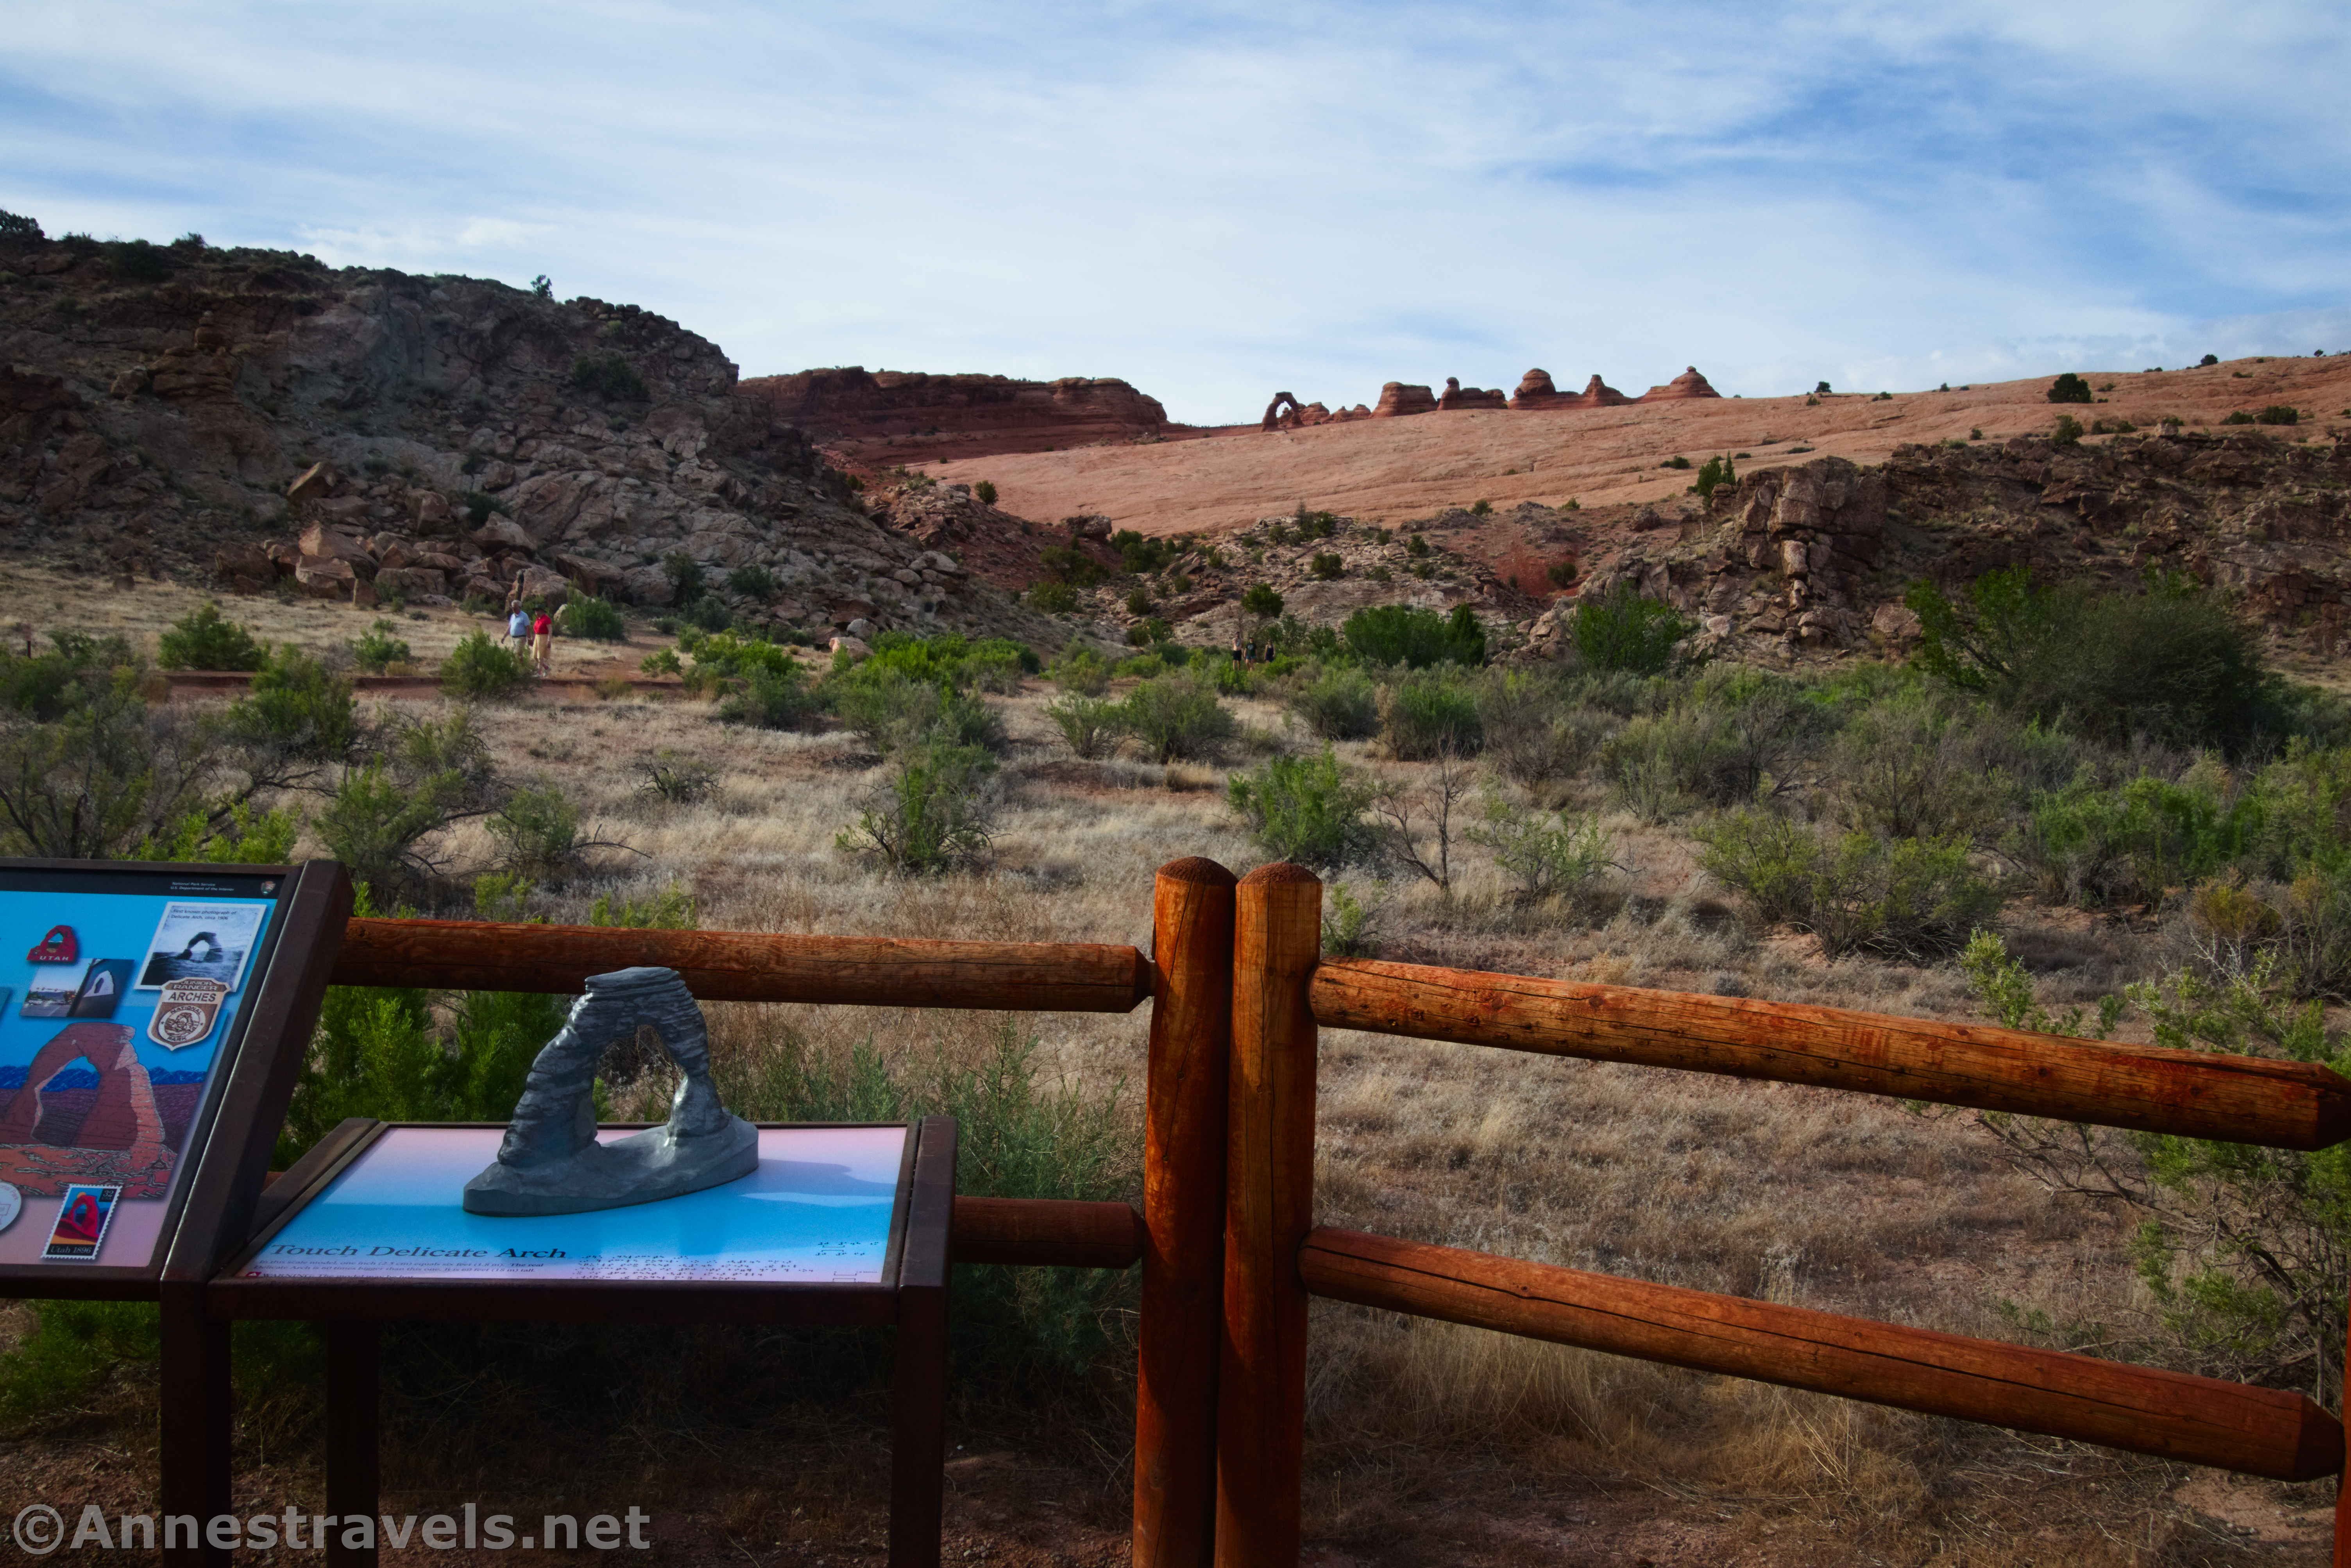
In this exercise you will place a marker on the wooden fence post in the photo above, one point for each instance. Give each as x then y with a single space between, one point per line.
1269 1208
1182 1214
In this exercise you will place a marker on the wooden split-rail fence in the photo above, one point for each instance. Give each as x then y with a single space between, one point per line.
1226 1235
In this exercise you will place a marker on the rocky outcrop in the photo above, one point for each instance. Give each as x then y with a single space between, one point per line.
1457 396
1399 398
1295 416
255 418
1688 384
1817 556
897 417
1536 390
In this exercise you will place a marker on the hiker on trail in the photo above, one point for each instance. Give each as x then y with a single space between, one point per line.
518 630
542 644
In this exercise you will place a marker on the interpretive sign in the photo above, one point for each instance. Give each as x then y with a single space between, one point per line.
125 996
818 1209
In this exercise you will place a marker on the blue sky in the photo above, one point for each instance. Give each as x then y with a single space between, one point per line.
1214 201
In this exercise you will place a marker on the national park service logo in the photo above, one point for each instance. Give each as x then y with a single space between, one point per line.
184 1012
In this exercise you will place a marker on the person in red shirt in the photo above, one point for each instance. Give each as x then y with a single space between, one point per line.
542 644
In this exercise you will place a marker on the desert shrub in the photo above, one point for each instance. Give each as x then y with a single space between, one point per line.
1676 461
1408 635
2175 663
609 375
18 227
896 712
1726 743
44 686
686 583
1089 725
1080 672
662 662
753 582
1561 573
1532 732
136 261
984 492
1307 809
376 649
2246 1251
770 697
585 615
483 668
2278 413
2096 845
376 824
1911 899
1909 769
1052 597
108 772
1142 667
676 780
205 639
1071 565
243 837
538 831
1545 854
933 813
295 714
1337 704
1625 630
1139 601
1712 475
1426 716
1326 567
1348 924
2070 388
1176 716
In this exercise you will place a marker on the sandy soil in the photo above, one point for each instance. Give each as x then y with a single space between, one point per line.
1387 470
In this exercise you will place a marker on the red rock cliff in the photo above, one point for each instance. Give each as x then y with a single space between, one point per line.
902 416
1688 384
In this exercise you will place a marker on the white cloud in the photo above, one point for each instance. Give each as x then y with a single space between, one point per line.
1215 200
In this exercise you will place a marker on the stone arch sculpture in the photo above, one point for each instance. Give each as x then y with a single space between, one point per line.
551 1161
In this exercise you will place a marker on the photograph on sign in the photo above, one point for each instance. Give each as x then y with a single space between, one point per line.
815 1210
128 988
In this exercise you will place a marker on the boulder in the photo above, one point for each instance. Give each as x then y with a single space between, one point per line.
432 513
315 483
937 561
860 629
1088 526
1398 399
502 533
323 541
648 585
323 577
537 583
246 568
854 647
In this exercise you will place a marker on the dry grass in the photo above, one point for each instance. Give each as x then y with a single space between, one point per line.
1830 1201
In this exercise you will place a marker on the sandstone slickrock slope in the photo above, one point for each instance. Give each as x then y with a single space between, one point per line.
158 406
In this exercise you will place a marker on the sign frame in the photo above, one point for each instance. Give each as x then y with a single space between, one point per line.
225 1157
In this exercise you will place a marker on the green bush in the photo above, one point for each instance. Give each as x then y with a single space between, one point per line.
1080 672
1071 565
933 814
984 492
1139 602
2175 663
770 698
754 582
1424 716
1676 461
1326 567
18 227
244 837
538 831
1309 809
1532 732
205 639
376 649
896 712
1090 725
1625 630
2066 432
1544 854
136 261
610 376
1409 635
1910 899
1713 474
2070 388
1052 597
585 615
1337 704
294 713
2278 413
2096 846
1176 716
1260 600
108 772
482 667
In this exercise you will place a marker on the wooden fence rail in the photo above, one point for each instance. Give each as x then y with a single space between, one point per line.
2201 1420
2240 1099
750 966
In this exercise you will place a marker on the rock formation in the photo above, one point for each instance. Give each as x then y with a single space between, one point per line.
1536 390
257 418
1688 384
1397 398
1457 396
897 417
120 1139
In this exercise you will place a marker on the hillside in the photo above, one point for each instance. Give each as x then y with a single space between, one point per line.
261 420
